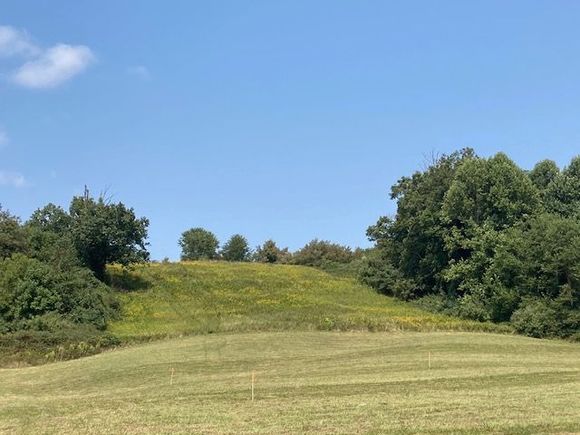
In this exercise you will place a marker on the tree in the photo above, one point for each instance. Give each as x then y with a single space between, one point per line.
50 218
473 234
414 239
236 249
104 233
541 259
562 195
490 190
50 239
198 244
12 235
544 173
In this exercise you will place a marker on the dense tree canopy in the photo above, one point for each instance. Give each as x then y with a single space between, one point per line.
494 241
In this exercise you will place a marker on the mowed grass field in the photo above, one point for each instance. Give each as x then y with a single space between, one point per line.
305 382
161 300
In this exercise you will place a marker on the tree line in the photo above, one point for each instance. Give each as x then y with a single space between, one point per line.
201 244
483 239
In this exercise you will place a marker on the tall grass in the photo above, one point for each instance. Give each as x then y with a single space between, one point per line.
207 297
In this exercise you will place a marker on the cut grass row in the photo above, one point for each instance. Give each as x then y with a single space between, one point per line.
306 382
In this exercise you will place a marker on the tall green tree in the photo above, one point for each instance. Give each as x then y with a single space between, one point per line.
562 195
415 238
493 190
544 173
12 235
105 232
486 196
50 238
236 249
198 244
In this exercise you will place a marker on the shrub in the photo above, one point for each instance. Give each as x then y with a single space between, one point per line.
270 253
536 318
317 252
30 289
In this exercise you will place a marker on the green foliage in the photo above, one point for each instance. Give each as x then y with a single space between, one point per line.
50 218
317 252
544 173
537 318
475 231
105 233
493 191
416 237
377 272
49 299
541 258
562 195
94 233
30 289
270 253
198 244
12 235
236 249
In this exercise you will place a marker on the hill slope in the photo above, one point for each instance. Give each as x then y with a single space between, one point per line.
202 297
316 382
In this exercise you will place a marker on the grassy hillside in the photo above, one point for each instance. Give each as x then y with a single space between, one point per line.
349 382
204 297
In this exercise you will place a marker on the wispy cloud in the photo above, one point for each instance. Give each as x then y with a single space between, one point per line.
139 71
12 179
44 68
55 66
15 42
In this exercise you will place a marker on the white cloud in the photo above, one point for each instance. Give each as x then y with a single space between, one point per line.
55 66
13 179
14 42
140 72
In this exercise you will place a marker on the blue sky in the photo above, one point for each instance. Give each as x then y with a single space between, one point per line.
274 119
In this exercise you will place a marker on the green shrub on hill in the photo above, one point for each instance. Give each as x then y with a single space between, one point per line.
34 295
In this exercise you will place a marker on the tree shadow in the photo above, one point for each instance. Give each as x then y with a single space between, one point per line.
127 281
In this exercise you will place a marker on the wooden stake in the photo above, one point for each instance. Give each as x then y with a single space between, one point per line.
429 360
171 378
253 380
